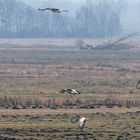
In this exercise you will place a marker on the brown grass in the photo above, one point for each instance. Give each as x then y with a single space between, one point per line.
102 76
68 111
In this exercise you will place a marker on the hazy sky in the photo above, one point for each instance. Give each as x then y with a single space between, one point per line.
66 3
130 19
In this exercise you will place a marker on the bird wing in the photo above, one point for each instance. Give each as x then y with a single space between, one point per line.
55 9
82 119
76 91
45 9
81 122
75 118
69 90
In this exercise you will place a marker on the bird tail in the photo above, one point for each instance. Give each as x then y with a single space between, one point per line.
44 9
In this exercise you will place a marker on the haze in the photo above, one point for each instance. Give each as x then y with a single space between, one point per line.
85 19
130 18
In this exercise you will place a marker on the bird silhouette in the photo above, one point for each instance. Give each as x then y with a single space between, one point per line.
70 91
81 121
55 10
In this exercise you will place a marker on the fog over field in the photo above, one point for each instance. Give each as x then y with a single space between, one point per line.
71 73
85 19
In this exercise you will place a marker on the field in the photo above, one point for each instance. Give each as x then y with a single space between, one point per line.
32 72
41 124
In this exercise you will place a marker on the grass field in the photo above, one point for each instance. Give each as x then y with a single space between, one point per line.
32 72
43 124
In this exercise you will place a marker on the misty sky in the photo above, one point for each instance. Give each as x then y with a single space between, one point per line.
130 19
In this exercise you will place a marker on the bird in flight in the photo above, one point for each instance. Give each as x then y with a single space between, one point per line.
70 91
55 10
81 121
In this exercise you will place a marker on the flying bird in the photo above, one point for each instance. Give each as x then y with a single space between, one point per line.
55 10
70 91
81 121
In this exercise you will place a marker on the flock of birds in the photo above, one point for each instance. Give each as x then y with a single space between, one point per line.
80 119
76 118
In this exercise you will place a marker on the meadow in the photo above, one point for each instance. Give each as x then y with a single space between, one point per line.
32 72
44 124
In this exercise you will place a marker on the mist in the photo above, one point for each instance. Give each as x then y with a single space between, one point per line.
130 18
86 18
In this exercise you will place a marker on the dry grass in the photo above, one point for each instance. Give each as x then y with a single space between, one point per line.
29 74
43 73
102 124
53 42
57 42
68 111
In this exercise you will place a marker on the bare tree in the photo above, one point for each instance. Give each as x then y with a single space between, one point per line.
98 19
92 19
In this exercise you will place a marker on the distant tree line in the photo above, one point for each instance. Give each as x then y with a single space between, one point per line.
93 19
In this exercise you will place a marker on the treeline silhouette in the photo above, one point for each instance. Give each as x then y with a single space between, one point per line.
91 20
